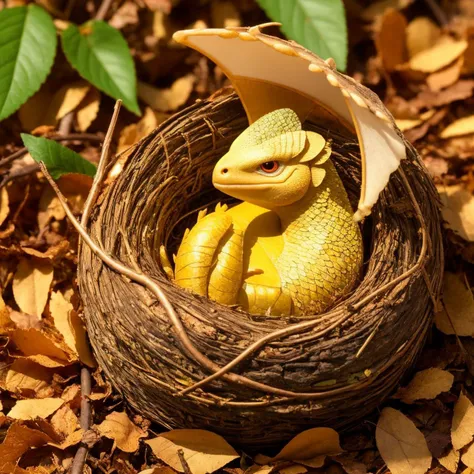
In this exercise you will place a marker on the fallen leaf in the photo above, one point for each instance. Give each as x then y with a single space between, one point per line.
437 57
390 39
350 464
25 376
462 126
445 77
64 421
33 112
450 461
295 469
4 205
49 207
459 91
53 252
407 124
165 100
88 110
31 286
402 446
310 444
117 426
60 309
127 14
468 457
35 408
378 8
19 440
421 34
205 452
224 14
69 96
458 210
426 385
24 321
6 324
462 430
159 5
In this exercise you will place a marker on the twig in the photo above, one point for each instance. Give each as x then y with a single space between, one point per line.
183 461
65 124
103 9
19 173
81 454
83 137
438 12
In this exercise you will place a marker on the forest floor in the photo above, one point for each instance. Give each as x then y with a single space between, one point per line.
417 55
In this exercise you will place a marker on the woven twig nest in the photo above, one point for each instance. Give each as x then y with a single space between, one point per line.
324 370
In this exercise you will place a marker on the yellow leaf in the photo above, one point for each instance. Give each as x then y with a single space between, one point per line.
89 108
205 452
24 375
310 444
458 316
402 446
49 207
445 77
69 96
165 100
468 457
35 408
118 427
427 384
31 286
407 124
450 461
458 210
378 8
421 34
462 430
437 57
4 205
6 324
462 126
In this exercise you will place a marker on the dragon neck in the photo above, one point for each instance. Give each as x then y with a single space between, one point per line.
322 249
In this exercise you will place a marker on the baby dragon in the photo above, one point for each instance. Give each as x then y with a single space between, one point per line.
292 246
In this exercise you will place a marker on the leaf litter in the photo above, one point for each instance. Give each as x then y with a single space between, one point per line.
424 70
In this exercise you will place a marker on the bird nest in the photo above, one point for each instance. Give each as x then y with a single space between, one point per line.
271 377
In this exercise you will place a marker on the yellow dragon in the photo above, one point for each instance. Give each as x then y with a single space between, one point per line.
292 246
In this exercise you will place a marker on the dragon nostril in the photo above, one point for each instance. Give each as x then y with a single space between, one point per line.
224 171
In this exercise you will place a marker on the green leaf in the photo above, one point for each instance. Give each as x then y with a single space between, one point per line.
101 55
27 48
319 25
58 159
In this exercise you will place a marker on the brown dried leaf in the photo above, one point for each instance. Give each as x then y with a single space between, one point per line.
390 39
459 307
127 14
462 126
462 430
165 100
19 440
205 452
53 252
33 112
407 124
117 426
25 376
31 286
421 34
88 110
426 385
445 77
159 5
468 457
437 57
402 446
295 469
6 324
310 444
35 408
459 91
224 14
49 207
64 421
24 321
450 461
458 210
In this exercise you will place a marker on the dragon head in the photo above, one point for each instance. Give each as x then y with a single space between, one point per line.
273 162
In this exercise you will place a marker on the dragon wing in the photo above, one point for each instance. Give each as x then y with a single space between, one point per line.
269 73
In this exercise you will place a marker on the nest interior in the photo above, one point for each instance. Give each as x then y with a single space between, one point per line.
324 370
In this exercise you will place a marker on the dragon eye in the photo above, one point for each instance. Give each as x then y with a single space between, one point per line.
270 166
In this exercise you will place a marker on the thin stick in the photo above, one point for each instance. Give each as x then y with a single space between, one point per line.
83 137
81 454
183 461
103 9
438 12
104 158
